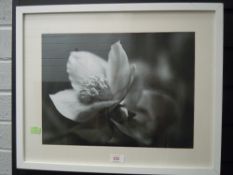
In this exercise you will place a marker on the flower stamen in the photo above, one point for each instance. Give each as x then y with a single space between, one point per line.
94 89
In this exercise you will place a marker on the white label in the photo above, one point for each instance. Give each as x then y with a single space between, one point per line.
117 158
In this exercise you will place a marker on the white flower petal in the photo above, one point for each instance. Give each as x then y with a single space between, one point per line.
122 93
67 103
118 68
81 65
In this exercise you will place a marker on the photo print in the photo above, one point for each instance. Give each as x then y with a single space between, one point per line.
121 89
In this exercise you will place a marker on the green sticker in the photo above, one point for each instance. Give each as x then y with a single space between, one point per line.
35 130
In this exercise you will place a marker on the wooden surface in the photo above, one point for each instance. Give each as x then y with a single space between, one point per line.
227 134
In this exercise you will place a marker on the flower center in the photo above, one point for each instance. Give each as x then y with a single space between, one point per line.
94 89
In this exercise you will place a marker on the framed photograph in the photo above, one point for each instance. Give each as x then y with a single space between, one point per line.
119 88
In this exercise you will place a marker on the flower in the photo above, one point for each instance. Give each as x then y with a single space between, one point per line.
111 103
96 84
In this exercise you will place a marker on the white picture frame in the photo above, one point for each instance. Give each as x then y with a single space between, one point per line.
127 163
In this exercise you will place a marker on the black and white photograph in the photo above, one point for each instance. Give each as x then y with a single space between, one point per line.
118 89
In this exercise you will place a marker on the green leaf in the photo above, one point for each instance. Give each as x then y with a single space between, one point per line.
98 131
135 130
94 136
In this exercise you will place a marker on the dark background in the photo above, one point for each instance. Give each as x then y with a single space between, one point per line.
227 125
